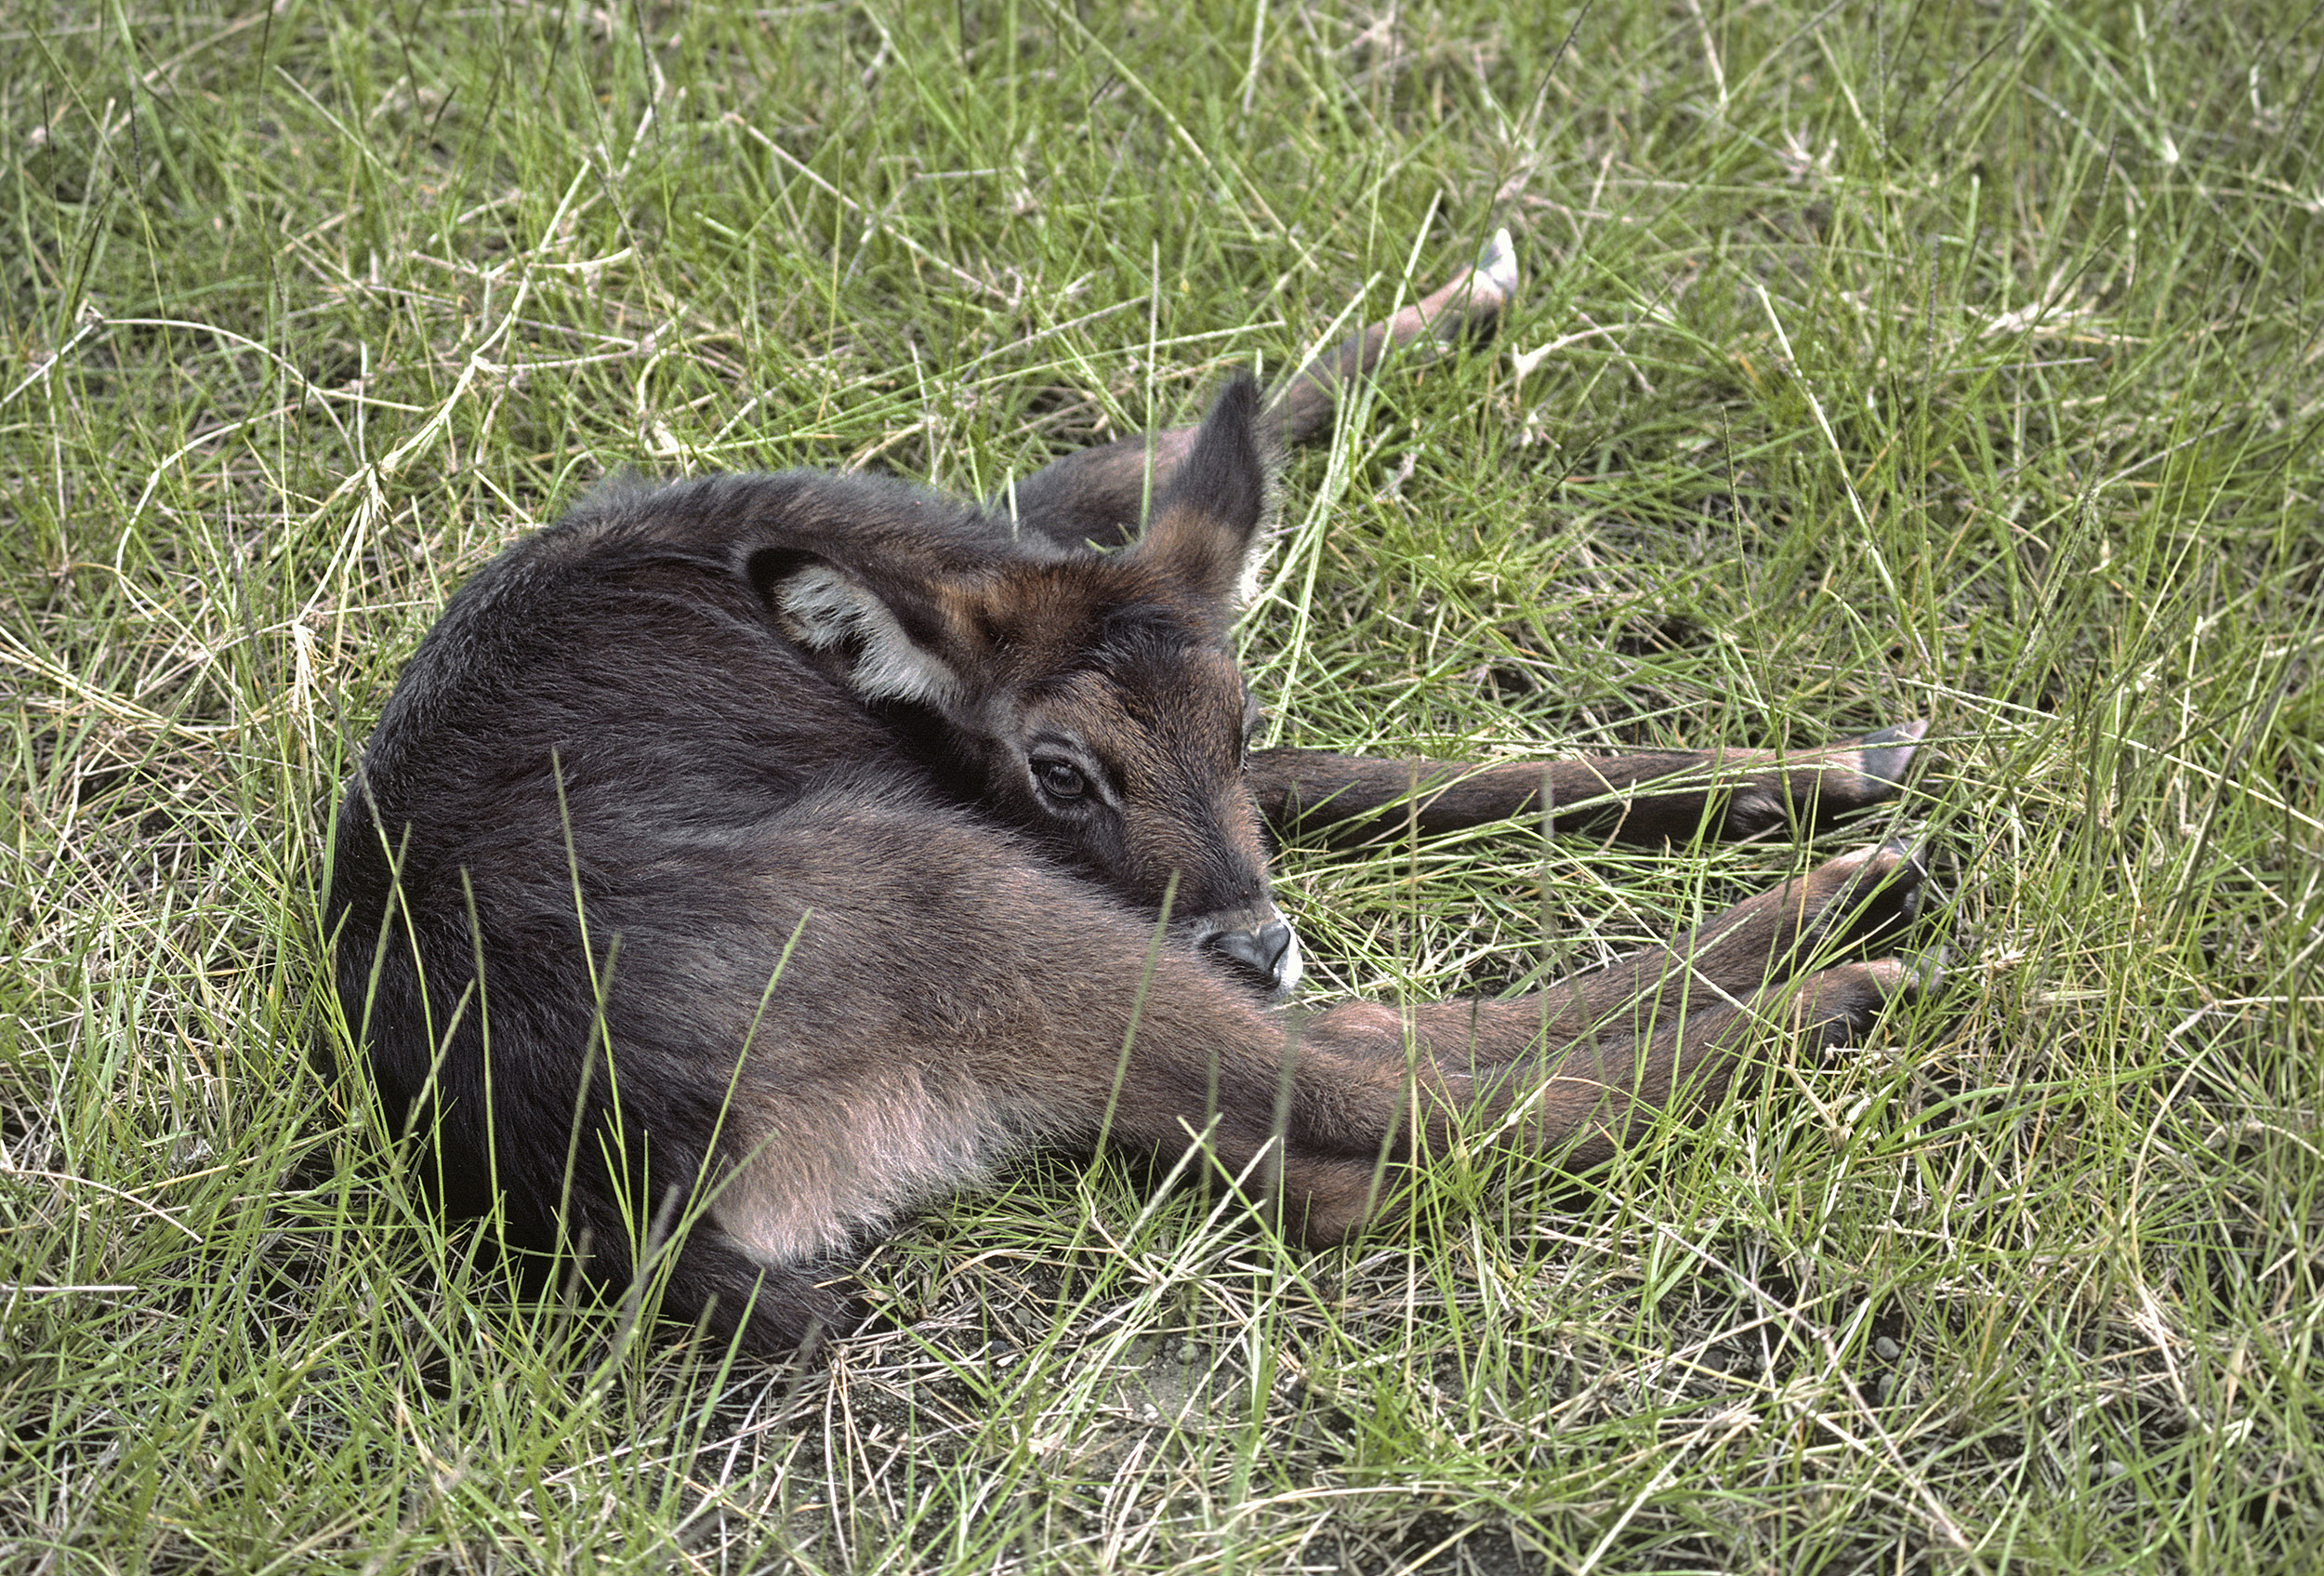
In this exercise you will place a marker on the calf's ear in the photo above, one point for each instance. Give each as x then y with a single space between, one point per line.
886 637
1205 529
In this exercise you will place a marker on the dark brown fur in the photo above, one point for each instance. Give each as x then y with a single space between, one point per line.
764 856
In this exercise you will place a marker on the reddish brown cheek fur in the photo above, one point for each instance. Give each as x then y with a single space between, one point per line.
673 884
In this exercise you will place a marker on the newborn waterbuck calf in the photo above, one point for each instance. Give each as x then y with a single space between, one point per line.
741 863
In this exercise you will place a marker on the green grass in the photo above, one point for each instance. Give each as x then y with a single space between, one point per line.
1963 360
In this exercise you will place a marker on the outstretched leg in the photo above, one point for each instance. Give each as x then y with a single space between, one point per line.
941 1004
1648 798
1099 494
1575 1070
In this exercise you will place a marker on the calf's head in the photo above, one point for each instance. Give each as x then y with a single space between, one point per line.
1095 697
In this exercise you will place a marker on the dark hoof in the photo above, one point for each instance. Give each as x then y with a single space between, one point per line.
1923 971
1885 896
1885 757
1820 785
1842 1002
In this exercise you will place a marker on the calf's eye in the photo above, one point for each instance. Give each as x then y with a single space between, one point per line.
1060 779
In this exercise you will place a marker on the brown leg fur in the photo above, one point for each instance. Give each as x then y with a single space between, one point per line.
1652 798
930 1059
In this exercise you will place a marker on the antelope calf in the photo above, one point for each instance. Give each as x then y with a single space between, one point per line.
765 855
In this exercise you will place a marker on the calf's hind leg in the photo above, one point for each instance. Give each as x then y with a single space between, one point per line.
1657 797
1097 495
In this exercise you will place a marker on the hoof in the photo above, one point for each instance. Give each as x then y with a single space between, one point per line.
1923 971
1497 266
1901 882
1882 895
1886 757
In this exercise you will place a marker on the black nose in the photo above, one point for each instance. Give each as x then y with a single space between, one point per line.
1258 953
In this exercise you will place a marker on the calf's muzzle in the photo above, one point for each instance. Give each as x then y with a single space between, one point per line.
1267 954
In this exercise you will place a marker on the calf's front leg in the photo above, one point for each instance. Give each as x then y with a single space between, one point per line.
1576 1070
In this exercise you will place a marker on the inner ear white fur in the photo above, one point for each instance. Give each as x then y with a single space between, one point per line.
1269 528
1262 541
824 610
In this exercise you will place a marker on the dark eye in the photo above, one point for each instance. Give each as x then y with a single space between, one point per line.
1060 779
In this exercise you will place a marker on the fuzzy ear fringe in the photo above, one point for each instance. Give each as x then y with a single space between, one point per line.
824 610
